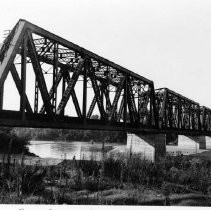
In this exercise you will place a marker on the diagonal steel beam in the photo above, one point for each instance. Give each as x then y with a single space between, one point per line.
58 79
36 96
145 98
17 81
108 102
131 103
10 48
116 98
66 75
97 93
39 75
70 87
164 107
91 108
23 77
121 109
75 101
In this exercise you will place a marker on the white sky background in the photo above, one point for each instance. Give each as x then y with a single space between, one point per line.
167 41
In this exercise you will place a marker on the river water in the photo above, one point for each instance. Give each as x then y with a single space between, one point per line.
88 150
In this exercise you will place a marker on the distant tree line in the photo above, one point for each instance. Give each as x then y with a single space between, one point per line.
11 143
70 135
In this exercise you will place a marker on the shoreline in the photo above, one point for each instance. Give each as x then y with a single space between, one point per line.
205 155
29 160
84 188
32 159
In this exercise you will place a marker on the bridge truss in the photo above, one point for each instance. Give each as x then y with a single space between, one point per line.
65 78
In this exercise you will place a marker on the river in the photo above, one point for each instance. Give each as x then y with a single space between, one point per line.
87 150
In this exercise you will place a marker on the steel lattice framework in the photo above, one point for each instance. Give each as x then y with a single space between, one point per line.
123 99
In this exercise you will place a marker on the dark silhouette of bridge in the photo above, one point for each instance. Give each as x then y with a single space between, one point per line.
123 99
134 104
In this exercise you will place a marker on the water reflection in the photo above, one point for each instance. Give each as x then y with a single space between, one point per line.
68 150
87 150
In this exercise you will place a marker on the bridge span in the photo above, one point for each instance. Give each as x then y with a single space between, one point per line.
62 85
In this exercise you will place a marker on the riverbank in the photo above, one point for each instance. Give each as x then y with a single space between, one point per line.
29 160
178 180
206 155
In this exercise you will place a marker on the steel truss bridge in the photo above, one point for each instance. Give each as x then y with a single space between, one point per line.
65 76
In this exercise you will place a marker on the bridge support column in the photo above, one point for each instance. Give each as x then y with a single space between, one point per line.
157 141
201 140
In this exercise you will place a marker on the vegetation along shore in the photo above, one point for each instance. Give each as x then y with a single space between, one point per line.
123 179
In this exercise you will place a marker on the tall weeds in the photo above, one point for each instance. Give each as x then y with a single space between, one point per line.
171 175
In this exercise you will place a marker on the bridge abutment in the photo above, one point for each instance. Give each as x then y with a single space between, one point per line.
157 141
201 140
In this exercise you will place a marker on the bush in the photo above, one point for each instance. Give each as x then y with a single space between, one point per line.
18 145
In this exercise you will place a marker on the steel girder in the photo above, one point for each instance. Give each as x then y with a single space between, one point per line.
205 119
176 111
119 95
124 100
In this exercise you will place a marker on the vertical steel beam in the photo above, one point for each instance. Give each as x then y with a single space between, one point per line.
1 96
63 90
55 85
125 101
23 78
55 72
107 92
166 107
17 81
152 100
101 93
139 103
198 118
170 111
86 67
39 75
153 106
189 116
209 121
179 113
193 118
36 96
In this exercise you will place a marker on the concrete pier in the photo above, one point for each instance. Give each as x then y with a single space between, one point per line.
201 140
157 141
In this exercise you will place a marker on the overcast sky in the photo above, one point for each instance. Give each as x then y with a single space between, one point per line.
167 41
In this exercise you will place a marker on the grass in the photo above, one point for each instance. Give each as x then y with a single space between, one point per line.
124 180
88 179
116 180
